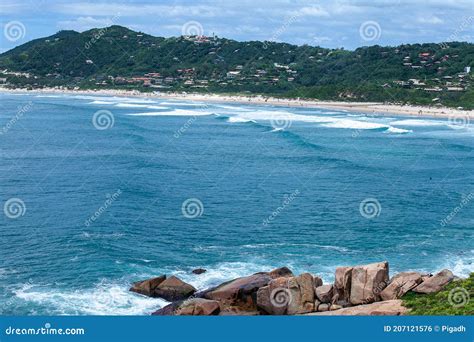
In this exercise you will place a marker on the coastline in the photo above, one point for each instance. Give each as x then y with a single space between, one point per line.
372 108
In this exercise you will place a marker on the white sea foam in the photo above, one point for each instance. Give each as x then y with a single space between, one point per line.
106 298
50 96
236 119
354 124
137 105
194 104
234 108
176 112
398 130
102 102
269 115
416 122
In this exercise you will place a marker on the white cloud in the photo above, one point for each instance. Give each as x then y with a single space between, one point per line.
138 10
85 23
313 11
433 20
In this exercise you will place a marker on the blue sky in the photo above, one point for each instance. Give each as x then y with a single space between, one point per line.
339 23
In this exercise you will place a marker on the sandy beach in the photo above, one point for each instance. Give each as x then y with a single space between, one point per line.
373 108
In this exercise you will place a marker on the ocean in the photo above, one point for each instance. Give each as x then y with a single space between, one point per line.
99 191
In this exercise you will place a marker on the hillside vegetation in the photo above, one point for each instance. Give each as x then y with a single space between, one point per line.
116 57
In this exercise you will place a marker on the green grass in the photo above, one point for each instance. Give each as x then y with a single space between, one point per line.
457 298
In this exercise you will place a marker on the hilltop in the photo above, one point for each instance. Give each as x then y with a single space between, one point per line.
119 58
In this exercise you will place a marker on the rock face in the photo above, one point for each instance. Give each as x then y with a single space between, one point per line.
173 289
198 307
288 296
324 293
242 292
435 283
401 284
280 272
386 308
147 287
342 285
367 281
190 307
199 271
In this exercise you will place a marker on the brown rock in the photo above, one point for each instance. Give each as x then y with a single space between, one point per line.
302 294
198 307
239 291
281 272
435 283
323 307
168 310
147 287
342 284
199 271
401 284
294 295
335 307
173 289
324 293
367 281
386 308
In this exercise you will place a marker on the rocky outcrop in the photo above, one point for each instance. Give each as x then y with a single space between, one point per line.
198 307
280 272
242 292
324 293
435 283
173 289
401 284
288 295
147 287
386 308
358 290
367 281
342 285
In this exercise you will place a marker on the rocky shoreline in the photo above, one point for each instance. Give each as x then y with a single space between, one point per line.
357 290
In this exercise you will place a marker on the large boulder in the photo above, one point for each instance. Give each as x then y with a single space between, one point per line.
367 281
242 292
342 285
401 284
324 293
435 283
173 289
147 287
288 296
386 308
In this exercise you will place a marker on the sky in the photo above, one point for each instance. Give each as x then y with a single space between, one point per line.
333 24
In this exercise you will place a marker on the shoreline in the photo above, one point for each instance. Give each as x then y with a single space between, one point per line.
372 108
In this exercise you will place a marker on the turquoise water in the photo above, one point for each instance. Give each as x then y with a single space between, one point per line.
87 211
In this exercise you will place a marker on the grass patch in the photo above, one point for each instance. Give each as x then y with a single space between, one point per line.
457 298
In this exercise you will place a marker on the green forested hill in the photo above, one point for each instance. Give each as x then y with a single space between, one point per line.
121 58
